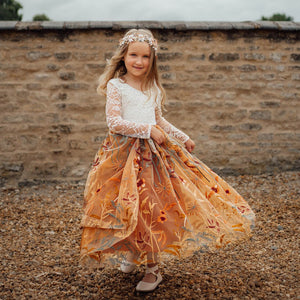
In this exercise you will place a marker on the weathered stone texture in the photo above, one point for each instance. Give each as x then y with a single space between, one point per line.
235 92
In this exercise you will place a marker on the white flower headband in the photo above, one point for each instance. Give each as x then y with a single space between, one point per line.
138 37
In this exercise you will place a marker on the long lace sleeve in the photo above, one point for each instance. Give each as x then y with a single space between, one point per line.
115 121
168 127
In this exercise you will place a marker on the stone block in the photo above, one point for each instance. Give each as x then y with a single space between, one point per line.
296 76
288 136
270 104
230 104
226 95
77 144
193 57
216 76
4 25
162 57
79 171
29 142
249 77
243 86
224 57
290 96
224 68
61 128
98 139
295 57
254 56
250 127
34 86
8 143
275 86
168 76
260 115
62 55
265 136
269 76
36 55
12 118
76 25
237 136
3 94
67 75
2 75
42 77
53 67
247 68
44 169
237 115
11 170
164 68
96 67
75 86
222 128
52 25
276 57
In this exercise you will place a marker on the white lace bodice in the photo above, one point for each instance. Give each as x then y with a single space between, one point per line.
131 112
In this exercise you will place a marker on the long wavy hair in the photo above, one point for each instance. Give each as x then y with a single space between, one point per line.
115 68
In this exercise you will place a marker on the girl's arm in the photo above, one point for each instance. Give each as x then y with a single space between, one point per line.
115 121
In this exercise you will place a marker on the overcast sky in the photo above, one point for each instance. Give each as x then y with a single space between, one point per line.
159 10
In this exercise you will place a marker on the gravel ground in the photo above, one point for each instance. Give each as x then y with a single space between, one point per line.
40 239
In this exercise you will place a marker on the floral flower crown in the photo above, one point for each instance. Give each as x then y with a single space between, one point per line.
138 37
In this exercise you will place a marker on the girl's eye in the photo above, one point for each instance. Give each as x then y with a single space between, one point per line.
132 54
146 56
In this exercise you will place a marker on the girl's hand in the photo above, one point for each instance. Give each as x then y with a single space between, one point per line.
157 135
190 145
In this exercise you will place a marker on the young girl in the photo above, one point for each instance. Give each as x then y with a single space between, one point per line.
147 197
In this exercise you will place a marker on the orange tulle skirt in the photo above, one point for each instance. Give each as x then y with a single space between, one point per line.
145 198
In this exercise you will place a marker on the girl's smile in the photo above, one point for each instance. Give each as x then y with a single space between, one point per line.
137 60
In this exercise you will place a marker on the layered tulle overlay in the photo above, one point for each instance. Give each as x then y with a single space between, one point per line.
142 197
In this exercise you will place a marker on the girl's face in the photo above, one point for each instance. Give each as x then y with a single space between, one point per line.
137 59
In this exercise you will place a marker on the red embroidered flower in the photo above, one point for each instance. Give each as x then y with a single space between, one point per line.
243 208
162 218
96 162
140 183
215 189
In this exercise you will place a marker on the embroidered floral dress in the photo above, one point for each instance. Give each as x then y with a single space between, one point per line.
142 197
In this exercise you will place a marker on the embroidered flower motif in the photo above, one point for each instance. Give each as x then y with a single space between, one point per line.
141 183
213 224
162 217
243 208
129 197
96 162
215 188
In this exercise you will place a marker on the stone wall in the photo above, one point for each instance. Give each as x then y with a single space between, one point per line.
233 87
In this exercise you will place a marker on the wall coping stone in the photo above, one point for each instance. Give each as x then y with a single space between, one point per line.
180 26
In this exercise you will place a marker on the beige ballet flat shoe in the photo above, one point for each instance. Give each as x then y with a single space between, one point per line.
149 286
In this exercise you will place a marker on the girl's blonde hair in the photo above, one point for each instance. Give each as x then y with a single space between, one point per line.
115 67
